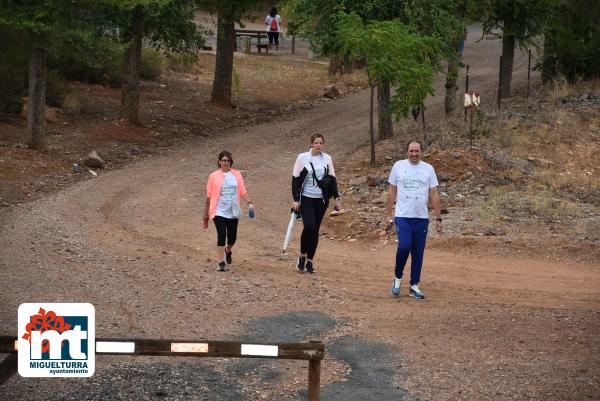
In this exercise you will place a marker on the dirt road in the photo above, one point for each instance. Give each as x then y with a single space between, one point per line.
131 243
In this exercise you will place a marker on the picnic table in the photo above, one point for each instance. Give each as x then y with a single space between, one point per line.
254 33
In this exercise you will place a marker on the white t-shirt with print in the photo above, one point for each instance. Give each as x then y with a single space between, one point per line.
227 197
311 188
413 183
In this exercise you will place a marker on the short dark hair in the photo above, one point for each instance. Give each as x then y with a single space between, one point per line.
225 153
273 12
414 141
313 137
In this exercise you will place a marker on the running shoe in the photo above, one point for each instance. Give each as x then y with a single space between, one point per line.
415 292
301 263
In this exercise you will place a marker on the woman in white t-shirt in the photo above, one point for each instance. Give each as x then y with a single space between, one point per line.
310 198
224 189
273 23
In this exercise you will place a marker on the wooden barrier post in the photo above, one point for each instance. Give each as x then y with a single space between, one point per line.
313 352
471 135
314 379
8 367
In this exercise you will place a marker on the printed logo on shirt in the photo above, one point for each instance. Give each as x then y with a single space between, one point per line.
411 184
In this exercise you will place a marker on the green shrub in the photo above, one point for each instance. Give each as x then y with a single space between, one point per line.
152 64
101 62
56 88
573 41
97 61
13 70
71 105
182 63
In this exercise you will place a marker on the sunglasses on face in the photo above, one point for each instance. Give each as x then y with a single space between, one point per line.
226 160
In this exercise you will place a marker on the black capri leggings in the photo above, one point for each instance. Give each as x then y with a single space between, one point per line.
226 228
273 37
313 210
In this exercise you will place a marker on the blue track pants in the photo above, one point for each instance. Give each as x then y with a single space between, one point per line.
412 234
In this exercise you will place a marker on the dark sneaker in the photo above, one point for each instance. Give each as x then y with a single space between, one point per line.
301 263
309 266
228 254
395 290
415 292
221 267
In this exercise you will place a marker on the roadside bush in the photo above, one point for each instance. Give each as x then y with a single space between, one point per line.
98 61
89 59
101 62
56 88
13 86
181 63
13 71
573 41
152 64
71 105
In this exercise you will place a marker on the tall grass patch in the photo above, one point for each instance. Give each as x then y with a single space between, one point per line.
508 203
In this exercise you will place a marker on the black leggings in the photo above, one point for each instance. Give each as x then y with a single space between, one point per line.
273 37
313 210
226 228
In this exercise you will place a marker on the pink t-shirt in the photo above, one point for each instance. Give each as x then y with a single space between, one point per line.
213 188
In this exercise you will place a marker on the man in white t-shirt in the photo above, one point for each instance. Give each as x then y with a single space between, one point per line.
412 182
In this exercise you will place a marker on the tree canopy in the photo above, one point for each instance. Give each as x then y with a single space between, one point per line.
573 40
393 53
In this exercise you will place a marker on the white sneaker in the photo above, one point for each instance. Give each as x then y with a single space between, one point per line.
395 290
415 292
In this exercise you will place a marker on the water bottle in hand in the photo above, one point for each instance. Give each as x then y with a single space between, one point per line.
251 214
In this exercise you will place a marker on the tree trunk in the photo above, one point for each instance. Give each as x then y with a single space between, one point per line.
508 55
371 130
335 65
348 64
340 64
221 90
132 60
36 122
385 127
451 80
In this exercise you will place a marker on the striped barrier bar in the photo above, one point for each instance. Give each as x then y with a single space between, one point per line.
313 351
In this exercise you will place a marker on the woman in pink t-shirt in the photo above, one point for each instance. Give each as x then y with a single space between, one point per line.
224 190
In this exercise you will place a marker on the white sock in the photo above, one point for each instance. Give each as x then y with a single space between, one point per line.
397 282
